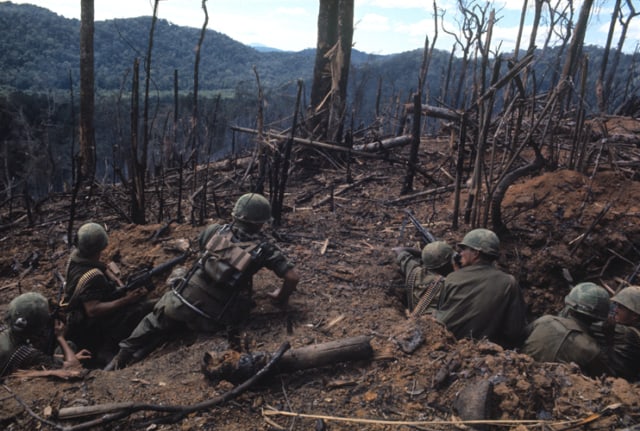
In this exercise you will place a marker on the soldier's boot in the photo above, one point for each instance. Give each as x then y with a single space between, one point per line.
119 361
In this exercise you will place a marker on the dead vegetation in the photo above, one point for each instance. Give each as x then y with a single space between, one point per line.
562 226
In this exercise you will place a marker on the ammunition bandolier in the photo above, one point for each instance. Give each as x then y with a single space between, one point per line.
423 286
86 281
16 353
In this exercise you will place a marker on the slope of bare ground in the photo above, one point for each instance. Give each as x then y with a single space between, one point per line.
561 224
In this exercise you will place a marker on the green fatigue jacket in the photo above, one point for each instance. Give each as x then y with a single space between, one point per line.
621 346
86 281
563 339
16 353
418 281
225 294
481 301
212 297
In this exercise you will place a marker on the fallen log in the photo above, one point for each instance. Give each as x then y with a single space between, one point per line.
234 366
436 112
384 144
308 142
412 196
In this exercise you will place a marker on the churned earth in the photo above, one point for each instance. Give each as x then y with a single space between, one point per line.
563 227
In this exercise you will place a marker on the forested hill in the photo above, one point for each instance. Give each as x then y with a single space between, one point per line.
39 49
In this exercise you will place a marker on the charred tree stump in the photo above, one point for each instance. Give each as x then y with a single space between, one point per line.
235 367
407 187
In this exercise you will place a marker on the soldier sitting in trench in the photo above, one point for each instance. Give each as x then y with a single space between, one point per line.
478 300
424 274
619 336
97 314
566 338
25 339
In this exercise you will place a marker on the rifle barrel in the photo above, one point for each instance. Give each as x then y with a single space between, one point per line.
168 264
428 237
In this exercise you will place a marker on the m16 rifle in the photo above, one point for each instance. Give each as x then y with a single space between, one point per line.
144 278
427 237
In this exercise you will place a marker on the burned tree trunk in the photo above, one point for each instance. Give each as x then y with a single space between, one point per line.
87 157
331 70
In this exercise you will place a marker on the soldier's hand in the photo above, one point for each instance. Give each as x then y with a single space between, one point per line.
413 251
83 355
276 298
136 294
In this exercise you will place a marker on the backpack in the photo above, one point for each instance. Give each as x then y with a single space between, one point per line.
229 263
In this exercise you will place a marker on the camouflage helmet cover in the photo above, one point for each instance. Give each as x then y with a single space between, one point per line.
483 240
92 238
436 254
629 297
28 313
589 299
252 208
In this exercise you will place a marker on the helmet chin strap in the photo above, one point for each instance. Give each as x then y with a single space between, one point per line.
248 227
20 324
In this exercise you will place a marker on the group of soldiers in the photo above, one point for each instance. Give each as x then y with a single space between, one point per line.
109 327
467 293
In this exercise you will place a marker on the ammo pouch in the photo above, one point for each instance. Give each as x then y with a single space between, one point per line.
229 261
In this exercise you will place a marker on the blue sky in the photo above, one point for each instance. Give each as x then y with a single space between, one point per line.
381 26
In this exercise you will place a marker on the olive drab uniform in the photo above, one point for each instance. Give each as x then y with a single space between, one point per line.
218 290
481 301
563 339
621 346
16 353
86 281
24 338
419 281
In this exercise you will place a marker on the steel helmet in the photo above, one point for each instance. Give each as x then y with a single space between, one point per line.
92 238
28 313
252 208
589 299
483 240
436 254
629 297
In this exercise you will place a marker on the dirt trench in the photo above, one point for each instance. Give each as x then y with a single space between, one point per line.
564 227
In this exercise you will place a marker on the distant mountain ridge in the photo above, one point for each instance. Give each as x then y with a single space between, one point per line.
264 48
39 49
39 52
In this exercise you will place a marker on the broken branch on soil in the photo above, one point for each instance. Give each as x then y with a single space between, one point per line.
567 424
579 239
122 410
420 194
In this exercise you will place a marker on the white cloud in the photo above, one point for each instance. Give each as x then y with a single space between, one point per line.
373 22
420 28
292 11
401 4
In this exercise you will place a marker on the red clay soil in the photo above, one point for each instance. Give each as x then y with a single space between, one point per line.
562 226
